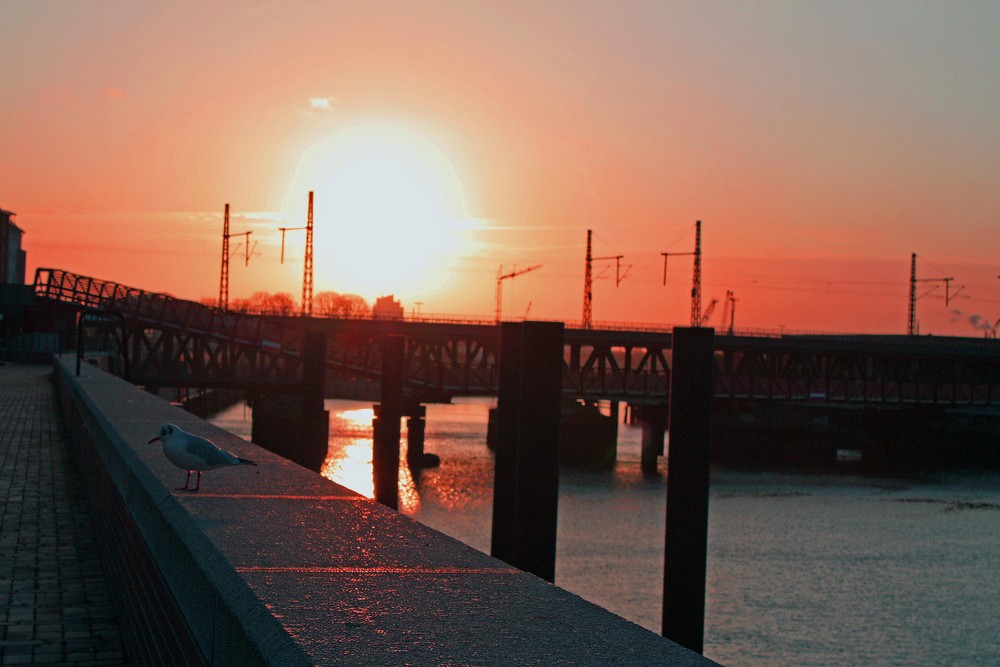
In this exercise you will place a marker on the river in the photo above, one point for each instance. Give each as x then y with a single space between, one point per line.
802 569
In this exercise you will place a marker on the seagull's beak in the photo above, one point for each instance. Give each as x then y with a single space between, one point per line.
155 438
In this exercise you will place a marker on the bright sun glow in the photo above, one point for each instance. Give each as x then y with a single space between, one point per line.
390 211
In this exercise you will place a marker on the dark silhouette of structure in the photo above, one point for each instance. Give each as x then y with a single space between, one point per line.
12 256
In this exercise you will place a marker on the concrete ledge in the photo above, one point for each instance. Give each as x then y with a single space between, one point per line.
276 565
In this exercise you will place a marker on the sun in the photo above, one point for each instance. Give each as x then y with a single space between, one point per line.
390 211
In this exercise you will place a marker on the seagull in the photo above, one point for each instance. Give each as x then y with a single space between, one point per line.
194 454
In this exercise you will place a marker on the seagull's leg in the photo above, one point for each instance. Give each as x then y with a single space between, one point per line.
197 483
186 480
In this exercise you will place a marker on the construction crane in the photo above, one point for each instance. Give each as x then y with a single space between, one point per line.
729 312
709 310
696 314
501 276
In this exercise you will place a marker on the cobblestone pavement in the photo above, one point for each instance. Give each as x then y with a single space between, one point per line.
55 604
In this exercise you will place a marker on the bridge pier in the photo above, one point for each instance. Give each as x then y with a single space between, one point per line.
297 427
588 439
654 420
416 426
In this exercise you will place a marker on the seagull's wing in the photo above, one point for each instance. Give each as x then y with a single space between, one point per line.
209 453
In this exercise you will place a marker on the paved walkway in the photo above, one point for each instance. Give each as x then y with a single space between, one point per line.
55 604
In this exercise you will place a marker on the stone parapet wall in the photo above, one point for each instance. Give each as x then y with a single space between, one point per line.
276 565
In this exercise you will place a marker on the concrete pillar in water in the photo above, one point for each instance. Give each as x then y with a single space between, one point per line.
386 428
691 394
296 426
588 439
653 420
526 481
416 425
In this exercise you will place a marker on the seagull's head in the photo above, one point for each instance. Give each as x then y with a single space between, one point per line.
165 432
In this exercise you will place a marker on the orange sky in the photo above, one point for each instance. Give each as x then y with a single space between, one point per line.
819 143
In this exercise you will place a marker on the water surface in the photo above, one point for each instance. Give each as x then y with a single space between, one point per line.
804 570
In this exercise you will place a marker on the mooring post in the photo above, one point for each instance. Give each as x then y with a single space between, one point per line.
505 459
315 419
386 425
691 393
526 478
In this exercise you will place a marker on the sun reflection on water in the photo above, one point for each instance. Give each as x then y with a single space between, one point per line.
349 459
361 418
351 465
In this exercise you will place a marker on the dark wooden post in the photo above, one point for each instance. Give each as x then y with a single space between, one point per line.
526 481
315 418
386 428
505 463
691 393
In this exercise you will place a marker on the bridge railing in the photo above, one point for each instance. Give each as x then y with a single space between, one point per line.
177 341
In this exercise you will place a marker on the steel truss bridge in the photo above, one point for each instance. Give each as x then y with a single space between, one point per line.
174 342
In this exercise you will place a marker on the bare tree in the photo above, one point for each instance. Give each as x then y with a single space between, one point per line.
258 302
282 303
353 305
332 304
325 304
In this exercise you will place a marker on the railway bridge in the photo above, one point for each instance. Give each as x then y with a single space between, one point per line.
167 341
161 341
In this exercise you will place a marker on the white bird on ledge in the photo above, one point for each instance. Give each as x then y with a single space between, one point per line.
194 453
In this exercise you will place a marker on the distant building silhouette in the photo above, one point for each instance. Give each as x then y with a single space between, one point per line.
12 256
387 308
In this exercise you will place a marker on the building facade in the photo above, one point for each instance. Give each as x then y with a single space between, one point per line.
387 308
12 255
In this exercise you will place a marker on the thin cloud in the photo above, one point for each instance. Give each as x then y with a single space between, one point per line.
321 103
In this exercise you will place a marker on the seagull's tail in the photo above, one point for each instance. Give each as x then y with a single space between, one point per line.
246 462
